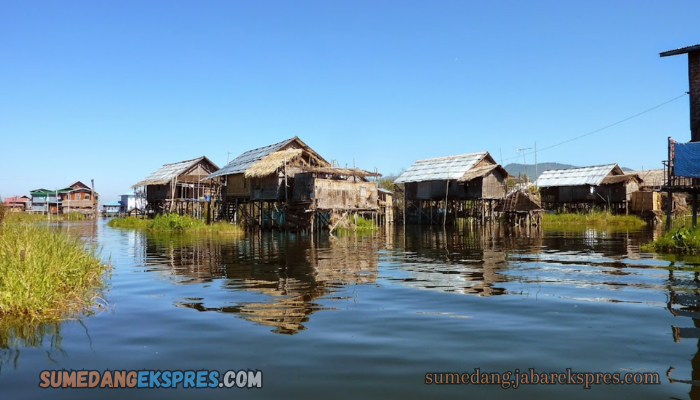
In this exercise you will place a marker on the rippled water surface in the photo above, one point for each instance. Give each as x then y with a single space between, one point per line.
369 316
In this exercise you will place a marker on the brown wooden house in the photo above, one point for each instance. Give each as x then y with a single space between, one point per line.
285 183
179 186
587 187
433 186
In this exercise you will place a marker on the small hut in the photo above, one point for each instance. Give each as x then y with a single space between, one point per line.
386 205
178 187
521 207
446 188
587 187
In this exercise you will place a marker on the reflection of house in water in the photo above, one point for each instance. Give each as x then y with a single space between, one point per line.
686 304
286 276
461 261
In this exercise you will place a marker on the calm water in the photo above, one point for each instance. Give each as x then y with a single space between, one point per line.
368 317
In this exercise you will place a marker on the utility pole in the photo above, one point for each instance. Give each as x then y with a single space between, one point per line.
522 151
536 174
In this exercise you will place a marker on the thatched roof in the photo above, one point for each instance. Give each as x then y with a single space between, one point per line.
650 177
341 171
608 180
198 167
482 171
241 163
521 200
271 163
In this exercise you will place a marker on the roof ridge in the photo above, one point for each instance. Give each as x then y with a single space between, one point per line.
453 156
184 161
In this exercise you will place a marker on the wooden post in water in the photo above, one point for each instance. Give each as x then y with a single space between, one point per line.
447 192
695 209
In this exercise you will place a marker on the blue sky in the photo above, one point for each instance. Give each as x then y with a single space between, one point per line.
113 90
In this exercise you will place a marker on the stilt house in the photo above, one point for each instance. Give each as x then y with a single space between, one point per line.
474 177
177 185
587 187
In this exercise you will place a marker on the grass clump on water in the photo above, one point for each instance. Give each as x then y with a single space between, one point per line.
175 223
680 241
592 218
27 217
46 273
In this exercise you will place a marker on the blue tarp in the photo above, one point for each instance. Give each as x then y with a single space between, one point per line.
687 160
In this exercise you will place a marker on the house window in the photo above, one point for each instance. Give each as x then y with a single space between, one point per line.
87 196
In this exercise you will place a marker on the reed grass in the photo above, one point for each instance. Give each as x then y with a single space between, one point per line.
14 216
362 225
176 223
595 218
678 241
46 273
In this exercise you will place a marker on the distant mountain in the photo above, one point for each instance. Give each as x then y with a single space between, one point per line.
529 169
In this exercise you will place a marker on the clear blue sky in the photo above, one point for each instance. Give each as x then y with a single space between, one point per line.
112 90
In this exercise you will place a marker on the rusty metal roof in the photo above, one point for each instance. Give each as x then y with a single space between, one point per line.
441 168
576 176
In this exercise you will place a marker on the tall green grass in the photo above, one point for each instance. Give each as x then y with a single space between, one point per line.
361 225
592 218
678 241
46 273
14 216
175 223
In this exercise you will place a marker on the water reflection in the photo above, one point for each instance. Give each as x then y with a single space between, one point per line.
286 273
684 301
16 335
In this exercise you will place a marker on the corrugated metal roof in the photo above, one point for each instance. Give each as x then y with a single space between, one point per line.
575 176
113 203
441 168
239 164
168 172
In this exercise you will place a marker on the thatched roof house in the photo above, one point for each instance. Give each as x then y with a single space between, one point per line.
469 176
595 184
180 180
652 179
259 174
520 200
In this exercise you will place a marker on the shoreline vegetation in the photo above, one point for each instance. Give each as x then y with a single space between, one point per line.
176 223
47 274
683 240
12 216
595 218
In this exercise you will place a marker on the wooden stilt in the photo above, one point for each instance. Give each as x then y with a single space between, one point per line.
695 209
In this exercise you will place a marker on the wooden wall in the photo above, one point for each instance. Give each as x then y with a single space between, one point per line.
493 185
158 192
237 186
267 188
345 195
614 193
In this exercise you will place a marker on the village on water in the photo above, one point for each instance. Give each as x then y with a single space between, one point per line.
394 200
289 186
